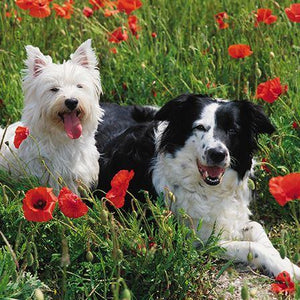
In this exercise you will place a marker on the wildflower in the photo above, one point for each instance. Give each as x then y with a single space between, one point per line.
285 188
21 134
270 90
37 8
264 166
239 51
87 11
113 50
264 15
219 19
118 35
285 284
39 204
65 11
70 204
119 185
154 34
97 4
133 26
110 12
293 12
295 125
128 6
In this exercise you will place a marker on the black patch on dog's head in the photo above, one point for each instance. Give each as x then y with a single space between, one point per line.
238 124
181 113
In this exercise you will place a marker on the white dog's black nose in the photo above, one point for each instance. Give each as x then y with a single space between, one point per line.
216 155
71 103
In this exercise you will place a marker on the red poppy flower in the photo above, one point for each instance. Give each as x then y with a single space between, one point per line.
118 35
270 90
220 20
285 285
70 204
21 134
25 4
119 185
113 50
97 4
64 11
38 204
110 12
239 51
40 9
87 11
128 6
295 125
154 34
285 188
264 166
293 12
264 15
133 25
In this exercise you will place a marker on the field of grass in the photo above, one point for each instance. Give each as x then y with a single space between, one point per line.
105 256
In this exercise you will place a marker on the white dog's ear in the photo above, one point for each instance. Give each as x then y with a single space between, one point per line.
85 55
36 60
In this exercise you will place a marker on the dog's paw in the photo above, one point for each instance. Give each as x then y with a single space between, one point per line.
254 232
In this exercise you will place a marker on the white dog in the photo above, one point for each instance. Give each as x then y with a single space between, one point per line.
61 111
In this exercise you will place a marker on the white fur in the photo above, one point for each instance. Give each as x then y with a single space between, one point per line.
72 160
223 207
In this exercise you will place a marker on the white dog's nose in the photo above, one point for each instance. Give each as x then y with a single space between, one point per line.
71 103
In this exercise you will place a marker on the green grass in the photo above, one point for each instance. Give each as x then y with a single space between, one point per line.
188 53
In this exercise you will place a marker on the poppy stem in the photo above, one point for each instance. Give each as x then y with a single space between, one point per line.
239 80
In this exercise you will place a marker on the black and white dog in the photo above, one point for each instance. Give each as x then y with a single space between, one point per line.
200 149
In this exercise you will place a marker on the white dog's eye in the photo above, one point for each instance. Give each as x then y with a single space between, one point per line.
200 127
54 90
79 86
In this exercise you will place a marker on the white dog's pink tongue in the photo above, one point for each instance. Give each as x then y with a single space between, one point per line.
72 125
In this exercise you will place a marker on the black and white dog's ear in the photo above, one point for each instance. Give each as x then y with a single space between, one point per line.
259 121
173 109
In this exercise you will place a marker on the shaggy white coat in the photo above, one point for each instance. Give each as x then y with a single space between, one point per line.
48 152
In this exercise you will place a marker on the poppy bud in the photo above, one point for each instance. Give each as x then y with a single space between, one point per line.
30 259
272 55
258 72
282 251
251 184
250 256
104 216
253 292
38 295
126 295
245 292
89 256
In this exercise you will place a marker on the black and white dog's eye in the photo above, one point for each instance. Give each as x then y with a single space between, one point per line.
54 90
200 127
79 86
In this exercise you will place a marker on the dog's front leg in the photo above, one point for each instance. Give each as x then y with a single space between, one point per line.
259 256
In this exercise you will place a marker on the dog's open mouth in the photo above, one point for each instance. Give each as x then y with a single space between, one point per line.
211 175
72 123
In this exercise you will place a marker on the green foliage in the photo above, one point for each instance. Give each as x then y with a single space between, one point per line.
15 284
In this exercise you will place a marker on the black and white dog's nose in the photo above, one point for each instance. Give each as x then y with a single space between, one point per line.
216 155
71 103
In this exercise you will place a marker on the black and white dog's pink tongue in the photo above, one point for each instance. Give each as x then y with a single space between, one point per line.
214 171
72 125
